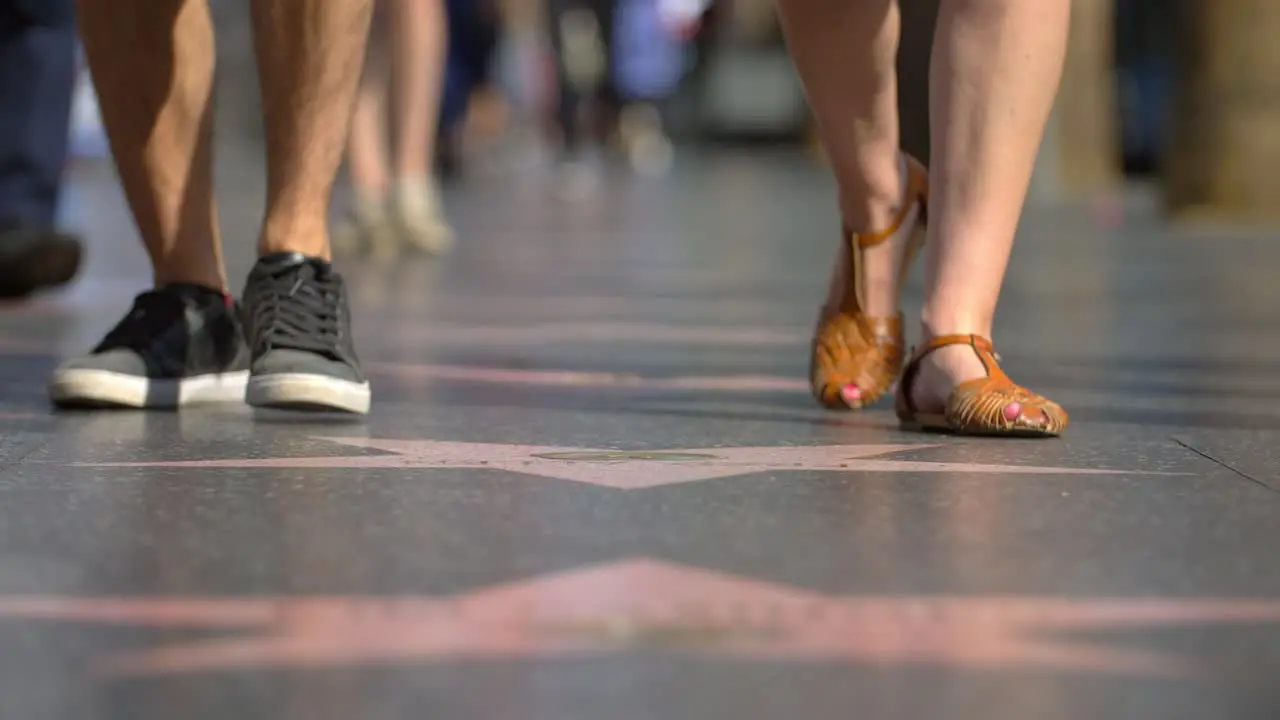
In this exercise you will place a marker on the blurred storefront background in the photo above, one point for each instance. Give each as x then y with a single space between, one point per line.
1180 94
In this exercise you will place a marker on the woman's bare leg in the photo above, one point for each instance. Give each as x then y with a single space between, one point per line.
844 51
995 71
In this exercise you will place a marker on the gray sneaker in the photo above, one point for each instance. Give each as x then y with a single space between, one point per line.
298 326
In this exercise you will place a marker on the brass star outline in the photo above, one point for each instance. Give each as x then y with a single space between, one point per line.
620 469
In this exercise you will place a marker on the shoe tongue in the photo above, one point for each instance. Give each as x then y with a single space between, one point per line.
285 260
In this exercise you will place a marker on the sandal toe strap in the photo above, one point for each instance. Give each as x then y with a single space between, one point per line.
996 406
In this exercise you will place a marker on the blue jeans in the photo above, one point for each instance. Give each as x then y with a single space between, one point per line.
473 37
37 76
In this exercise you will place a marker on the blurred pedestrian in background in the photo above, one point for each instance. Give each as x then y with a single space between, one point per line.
395 199
474 107
652 48
37 76
617 62
586 100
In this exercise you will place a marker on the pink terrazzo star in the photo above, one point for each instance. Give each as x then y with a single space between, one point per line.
577 378
624 470
645 605
561 332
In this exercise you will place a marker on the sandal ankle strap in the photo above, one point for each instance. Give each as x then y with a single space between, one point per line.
917 188
982 347
980 344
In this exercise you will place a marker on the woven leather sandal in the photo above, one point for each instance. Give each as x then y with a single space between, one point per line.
992 405
851 348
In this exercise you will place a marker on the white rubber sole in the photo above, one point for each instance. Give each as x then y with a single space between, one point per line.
301 391
103 388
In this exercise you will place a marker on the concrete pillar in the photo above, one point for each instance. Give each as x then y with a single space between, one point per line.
1224 155
1080 157
1088 127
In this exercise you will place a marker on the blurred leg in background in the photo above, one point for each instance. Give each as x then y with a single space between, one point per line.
475 112
419 44
582 34
37 77
395 197
653 44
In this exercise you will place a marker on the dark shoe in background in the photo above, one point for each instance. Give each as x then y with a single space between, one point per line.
33 259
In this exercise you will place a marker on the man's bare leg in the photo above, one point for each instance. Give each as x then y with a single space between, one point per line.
310 54
153 63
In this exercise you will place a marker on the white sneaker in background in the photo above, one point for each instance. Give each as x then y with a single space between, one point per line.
421 217
367 229
645 141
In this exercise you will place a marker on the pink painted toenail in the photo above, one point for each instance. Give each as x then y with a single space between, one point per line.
851 393
1012 411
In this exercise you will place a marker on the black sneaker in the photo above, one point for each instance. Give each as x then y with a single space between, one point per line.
179 345
299 329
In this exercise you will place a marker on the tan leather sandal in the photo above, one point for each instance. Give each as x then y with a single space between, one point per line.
853 350
993 405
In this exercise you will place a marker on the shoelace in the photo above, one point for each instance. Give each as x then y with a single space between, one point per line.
296 308
152 313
